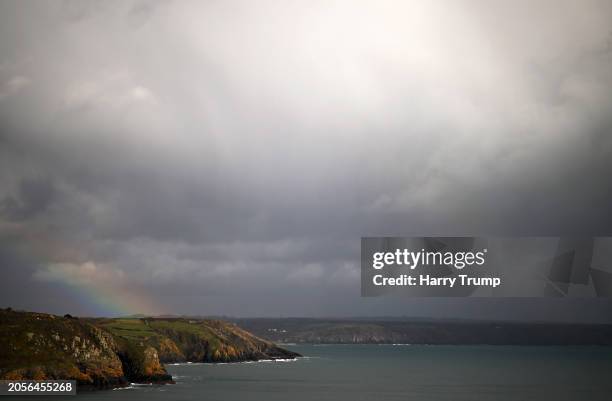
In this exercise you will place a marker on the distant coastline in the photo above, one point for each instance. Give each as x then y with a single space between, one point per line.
422 331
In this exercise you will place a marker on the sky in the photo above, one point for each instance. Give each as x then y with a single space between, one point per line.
225 157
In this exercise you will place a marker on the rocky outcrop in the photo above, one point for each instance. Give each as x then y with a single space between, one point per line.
141 363
195 340
168 351
217 341
41 346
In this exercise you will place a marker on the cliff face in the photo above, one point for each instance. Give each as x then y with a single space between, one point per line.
40 346
187 340
141 363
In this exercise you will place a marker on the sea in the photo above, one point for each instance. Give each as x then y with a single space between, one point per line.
391 372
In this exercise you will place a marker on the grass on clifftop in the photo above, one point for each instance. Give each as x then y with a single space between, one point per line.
136 329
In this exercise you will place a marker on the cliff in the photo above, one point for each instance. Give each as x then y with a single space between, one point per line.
195 340
41 346
103 353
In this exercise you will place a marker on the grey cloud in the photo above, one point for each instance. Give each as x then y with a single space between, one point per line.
35 196
231 154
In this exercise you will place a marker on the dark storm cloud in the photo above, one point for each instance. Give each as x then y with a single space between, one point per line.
34 197
228 156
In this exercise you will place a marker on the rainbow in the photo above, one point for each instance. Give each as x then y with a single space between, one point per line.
103 300
101 290
98 289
